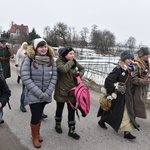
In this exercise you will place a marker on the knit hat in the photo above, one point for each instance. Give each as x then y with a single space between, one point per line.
64 51
37 41
143 51
3 41
127 54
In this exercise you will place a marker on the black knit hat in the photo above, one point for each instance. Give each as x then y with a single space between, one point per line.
64 51
127 54
3 41
143 51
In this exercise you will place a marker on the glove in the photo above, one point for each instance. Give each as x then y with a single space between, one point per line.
75 63
121 87
16 65
43 97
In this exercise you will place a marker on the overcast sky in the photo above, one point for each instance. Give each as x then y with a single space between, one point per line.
124 18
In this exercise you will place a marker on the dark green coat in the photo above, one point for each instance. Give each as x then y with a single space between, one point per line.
65 80
5 53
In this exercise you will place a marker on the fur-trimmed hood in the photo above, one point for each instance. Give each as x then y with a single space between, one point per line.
31 52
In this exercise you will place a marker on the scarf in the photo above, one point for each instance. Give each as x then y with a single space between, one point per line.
42 59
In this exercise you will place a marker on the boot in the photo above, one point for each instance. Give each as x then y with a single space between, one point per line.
39 136
18 79
35 133
58 125
128 135
72 132
102 124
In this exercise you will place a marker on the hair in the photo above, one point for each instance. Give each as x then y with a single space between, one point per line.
42 43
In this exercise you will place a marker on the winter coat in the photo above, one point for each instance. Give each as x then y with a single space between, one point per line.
4 59
38 78
20 55
66 78
139 89
115 115
4 90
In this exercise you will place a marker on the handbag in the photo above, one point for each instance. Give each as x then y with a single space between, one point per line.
104 102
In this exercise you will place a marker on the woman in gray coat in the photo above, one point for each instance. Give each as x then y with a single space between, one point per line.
39 75
68 68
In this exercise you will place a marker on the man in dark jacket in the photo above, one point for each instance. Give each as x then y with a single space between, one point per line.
5 55
4 94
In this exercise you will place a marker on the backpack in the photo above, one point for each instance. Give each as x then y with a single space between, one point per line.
82 98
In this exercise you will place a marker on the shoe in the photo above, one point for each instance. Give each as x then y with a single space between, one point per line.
44 116
58 129
128 135
74 135
23 109
2 121
102 124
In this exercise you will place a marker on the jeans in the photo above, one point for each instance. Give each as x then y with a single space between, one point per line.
1 114
22 96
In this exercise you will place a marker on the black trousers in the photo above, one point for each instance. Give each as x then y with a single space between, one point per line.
36 112
60 108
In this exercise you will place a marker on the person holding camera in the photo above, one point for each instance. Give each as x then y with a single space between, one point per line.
120 116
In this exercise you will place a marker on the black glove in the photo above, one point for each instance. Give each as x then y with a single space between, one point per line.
16 65
75 63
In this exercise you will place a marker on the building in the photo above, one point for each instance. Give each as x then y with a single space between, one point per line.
18 30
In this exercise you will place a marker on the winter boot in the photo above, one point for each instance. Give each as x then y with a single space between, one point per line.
72 132
39 136
128 135
35 133
58 125
102 124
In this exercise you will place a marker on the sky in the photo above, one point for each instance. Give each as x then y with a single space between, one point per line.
123 18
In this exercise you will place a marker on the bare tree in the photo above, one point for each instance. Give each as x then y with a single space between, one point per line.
131 42
46 32
102 40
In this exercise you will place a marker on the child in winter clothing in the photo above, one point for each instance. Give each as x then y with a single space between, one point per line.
39 75
68 68
120 116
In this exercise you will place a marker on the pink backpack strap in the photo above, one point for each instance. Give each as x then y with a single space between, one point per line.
78 79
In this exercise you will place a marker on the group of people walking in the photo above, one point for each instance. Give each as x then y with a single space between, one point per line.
41 75
126 87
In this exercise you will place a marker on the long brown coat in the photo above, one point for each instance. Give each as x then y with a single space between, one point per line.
65 80
139 92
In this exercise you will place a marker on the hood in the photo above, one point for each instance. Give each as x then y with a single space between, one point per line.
31 52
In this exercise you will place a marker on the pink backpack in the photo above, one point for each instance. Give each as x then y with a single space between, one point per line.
82 95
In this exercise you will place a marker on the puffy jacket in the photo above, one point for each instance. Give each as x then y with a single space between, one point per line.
39 79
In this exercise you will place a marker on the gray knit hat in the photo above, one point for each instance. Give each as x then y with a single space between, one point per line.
127 54
143 51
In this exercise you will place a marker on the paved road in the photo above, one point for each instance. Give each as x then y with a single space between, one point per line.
92 136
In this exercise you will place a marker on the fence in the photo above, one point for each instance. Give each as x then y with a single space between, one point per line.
97 70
